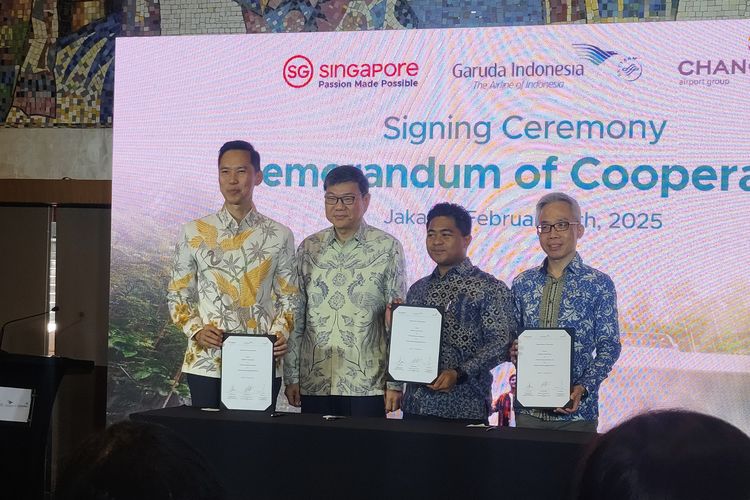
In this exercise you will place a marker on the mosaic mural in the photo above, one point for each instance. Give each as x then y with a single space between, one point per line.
57 56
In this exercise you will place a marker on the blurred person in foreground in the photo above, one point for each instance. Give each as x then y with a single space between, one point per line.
667 455
135 461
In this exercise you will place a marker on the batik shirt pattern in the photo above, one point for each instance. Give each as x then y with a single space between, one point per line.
341 348
477 328
239 276
588 306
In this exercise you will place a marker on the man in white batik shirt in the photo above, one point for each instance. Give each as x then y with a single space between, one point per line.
233 271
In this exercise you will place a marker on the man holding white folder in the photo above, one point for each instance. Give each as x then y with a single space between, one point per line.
477 326
565 293
348 273
233 271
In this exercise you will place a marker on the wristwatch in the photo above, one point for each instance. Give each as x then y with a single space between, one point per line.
461 375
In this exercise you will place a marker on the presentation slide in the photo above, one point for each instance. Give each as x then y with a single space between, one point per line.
644 123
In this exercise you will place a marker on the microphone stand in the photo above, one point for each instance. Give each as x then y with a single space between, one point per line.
2 329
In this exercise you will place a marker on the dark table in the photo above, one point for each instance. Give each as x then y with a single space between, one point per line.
304 456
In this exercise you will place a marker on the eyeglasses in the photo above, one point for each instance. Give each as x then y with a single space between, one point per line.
347 199
559 227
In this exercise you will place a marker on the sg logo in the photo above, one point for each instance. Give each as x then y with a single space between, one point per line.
298 71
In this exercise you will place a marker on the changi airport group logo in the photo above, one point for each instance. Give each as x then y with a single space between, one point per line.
715 71
628 68
299 71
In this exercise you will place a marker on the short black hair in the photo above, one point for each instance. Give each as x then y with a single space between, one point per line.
459 214
669 455
243 146
347 173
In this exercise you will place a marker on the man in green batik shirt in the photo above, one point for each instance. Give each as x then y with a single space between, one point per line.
337 357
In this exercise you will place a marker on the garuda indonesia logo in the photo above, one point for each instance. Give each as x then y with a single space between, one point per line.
627 67
593 53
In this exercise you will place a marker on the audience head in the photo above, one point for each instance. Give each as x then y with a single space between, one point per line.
133 461
667 455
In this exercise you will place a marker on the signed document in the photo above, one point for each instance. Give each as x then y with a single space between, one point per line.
544 367
415 343
247 371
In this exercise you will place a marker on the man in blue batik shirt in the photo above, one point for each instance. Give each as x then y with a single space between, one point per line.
477 329
564 292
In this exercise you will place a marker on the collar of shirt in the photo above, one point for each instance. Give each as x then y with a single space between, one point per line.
574 266
462 269
360 236
229 222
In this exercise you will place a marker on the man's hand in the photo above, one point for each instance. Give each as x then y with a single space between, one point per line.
392 400
513 352
280 347
209 337
292 395
389 311
445 381
575 396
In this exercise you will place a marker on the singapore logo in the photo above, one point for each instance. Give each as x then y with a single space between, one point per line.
298 71
628 67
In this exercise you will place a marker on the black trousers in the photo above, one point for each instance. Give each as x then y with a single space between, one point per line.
206 391
347 406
